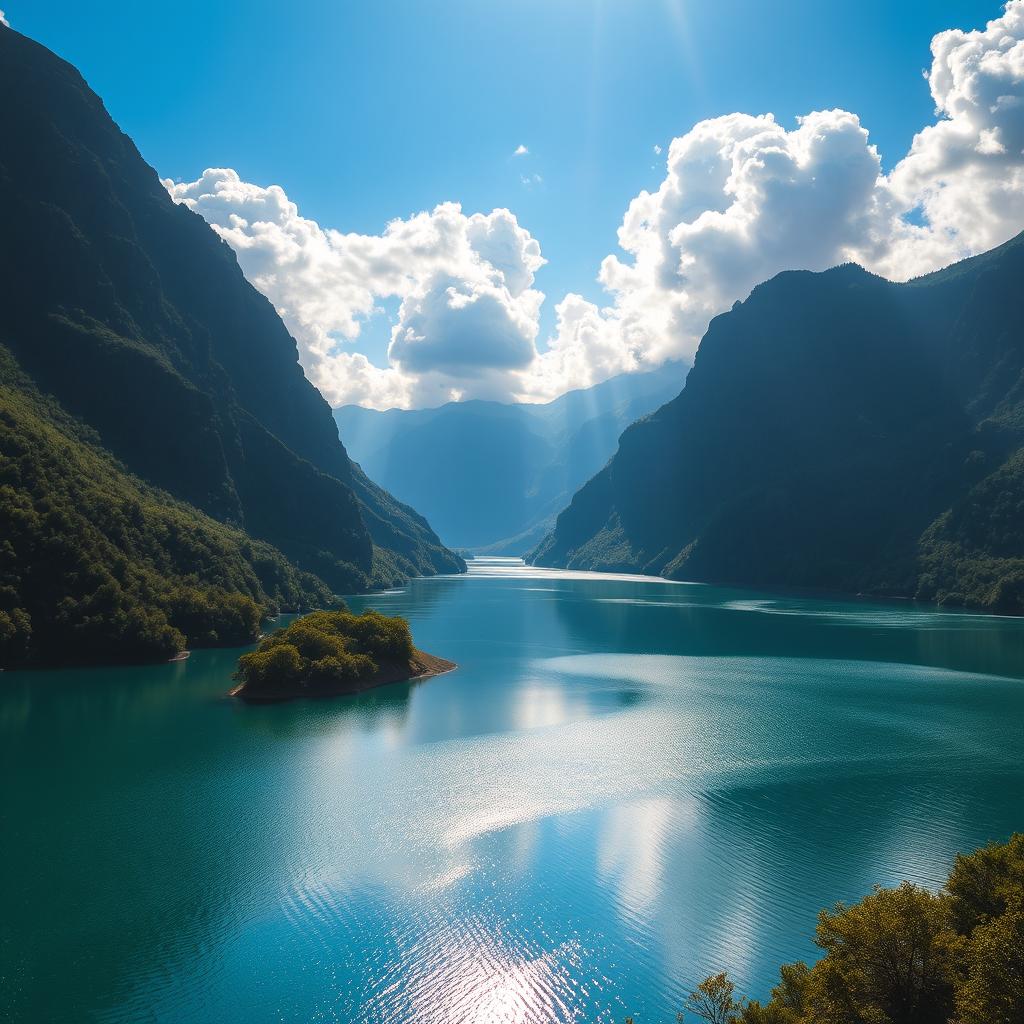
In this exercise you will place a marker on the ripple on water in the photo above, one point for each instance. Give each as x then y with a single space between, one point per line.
551 833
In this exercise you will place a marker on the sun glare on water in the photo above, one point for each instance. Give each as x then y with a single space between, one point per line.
494 985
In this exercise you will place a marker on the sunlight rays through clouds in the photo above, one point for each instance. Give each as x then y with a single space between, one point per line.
743 198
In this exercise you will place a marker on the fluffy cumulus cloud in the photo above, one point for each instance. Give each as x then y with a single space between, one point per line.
3 19
468 312
966 171
743 197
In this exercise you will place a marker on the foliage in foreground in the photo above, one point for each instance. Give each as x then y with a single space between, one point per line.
326 650
904 956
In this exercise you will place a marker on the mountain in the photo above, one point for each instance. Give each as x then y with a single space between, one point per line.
836 431
98 566
491 476
127 326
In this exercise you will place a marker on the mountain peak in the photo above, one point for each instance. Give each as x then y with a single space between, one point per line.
126 311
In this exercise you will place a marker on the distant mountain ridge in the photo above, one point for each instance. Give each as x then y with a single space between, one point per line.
491 476
837 431
130 312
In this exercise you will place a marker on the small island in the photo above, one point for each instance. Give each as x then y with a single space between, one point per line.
332 653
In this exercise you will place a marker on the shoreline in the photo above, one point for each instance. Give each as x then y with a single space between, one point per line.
782 590
422 666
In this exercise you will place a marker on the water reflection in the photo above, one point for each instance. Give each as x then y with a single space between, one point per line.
625 785
714 621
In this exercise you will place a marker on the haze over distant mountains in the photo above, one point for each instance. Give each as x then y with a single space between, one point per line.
491 476
159 443
836 431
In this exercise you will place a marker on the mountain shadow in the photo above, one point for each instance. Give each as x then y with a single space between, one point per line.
837 431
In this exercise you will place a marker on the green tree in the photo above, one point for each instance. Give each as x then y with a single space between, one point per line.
993 990
982 883
905 956
788 1001
889 959
272 669
328 650
714 1000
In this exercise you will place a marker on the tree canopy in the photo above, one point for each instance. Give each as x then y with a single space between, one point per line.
98 566
325 651
904 956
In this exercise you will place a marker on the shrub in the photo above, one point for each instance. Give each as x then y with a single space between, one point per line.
213 616
888 958
273 668
326 650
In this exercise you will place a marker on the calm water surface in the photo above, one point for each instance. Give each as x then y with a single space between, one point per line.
626 785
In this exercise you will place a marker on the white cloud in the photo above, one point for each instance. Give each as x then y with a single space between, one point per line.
743 198
468 310
3 19
657 150
464 329
520 150
966 171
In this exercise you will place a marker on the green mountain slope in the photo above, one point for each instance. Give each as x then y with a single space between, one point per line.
134 316
836 431
96 565
403 543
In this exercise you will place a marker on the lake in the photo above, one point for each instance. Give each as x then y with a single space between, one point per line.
626 785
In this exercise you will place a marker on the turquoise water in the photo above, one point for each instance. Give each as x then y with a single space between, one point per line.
626 785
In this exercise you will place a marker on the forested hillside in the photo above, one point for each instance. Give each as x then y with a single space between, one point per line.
128 315
96 565
837 431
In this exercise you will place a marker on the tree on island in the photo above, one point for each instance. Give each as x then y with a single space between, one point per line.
903 956
324 651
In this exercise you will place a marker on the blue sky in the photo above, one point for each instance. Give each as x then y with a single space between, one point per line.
368 111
